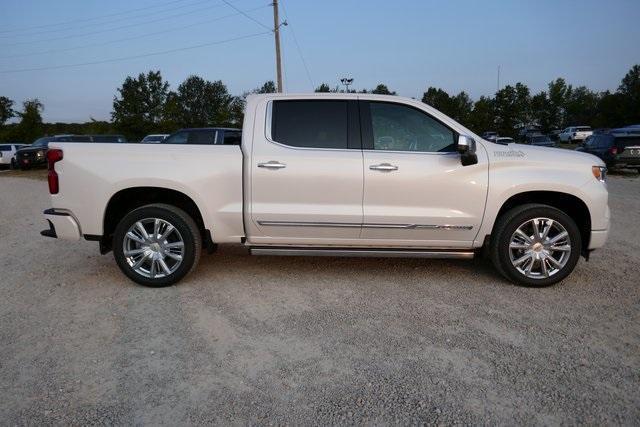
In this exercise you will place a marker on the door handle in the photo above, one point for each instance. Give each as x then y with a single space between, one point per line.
272 164
385 167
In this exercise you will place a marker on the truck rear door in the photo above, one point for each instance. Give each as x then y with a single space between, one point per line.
306 172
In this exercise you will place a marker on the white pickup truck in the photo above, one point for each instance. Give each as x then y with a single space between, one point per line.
333 175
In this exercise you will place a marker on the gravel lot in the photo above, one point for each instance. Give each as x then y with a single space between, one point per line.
266 340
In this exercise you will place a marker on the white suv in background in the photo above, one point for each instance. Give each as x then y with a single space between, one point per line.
575 134
7 152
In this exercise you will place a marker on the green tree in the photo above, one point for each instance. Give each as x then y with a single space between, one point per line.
540 111
457 107
202 103
267 87
630 89
323 88
30 127
382 89
6 110
581 106
140 108
558 94
482 117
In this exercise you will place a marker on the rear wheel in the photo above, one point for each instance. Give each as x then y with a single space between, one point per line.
535 245
157 245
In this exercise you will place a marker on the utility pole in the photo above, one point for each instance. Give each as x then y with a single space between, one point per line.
276 32
498 90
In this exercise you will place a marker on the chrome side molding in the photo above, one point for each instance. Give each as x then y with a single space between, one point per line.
361 252
365 225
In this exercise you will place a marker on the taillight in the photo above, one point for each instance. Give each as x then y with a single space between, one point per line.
613 151
53 156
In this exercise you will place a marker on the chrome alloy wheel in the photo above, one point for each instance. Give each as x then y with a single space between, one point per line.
153 248
540 248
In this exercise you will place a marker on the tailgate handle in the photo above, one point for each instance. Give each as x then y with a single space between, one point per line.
272 164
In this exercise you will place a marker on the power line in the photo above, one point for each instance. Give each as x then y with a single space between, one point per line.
126 39
67 28
295 40
108 30
91 18
246 15
126 58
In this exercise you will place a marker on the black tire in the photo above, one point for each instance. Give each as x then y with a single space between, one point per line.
507 225
182 222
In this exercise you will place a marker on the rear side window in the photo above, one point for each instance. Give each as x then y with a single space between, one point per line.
232 137
310 124
5 148
583 129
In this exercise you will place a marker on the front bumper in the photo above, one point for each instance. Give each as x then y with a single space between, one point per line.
62 225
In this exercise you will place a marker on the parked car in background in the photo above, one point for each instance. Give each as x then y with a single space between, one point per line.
154 138
524 133
575 134
489 135
540 140
554 134
212 136
504 140
331 175
615 149
8 155
35 154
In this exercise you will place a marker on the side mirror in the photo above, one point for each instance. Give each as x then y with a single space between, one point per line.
467 149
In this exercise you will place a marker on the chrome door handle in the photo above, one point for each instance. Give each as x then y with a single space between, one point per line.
386 167
272 164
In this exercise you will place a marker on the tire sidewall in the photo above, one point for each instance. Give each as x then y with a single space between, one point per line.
510 227
179 223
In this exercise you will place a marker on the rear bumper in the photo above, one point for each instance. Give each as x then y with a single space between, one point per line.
598 238
62 225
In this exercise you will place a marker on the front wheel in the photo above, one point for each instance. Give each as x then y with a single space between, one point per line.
157 245
535 245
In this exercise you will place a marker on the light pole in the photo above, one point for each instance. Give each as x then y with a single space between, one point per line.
346 81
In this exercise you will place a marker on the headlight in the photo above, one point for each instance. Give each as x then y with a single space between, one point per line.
600 173
40 153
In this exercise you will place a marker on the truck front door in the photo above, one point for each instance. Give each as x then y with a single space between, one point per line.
416 191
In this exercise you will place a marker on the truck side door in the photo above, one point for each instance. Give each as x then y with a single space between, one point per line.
416 191
306 172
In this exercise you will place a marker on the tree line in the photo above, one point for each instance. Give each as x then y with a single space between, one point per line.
146 104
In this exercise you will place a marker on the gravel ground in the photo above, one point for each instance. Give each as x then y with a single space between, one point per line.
267 340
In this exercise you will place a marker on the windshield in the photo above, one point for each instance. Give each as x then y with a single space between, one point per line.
153 138
42 142
541 139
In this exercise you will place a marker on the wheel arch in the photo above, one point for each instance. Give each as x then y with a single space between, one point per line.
128 199
570 204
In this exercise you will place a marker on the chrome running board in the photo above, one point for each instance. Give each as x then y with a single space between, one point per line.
361 252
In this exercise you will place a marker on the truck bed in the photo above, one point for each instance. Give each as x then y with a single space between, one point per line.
211 175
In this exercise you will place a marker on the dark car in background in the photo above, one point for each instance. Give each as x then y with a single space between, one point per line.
615 149
214 136
539 140
35 154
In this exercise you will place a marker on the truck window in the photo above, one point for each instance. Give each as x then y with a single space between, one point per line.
310 124
397 127
232 137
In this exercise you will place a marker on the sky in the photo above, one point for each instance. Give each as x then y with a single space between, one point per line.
407 44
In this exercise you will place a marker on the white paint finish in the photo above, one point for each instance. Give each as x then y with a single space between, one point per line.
321 185
425 189
91 173
315 185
